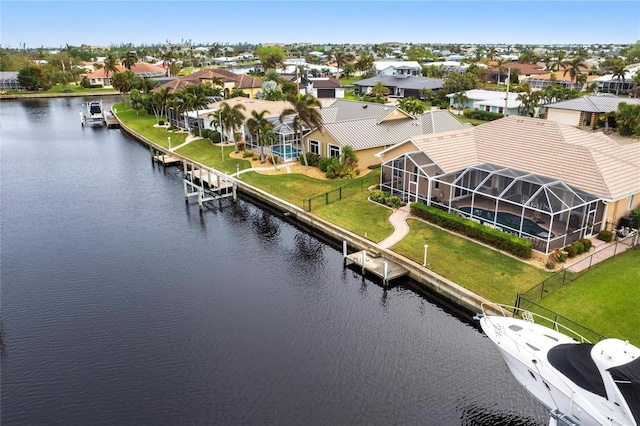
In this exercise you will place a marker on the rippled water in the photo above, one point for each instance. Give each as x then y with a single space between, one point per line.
121 304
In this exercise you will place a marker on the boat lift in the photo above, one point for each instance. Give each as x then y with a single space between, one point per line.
93 114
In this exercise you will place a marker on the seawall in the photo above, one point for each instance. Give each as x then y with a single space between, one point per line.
431 281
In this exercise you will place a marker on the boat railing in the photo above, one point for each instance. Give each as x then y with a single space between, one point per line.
498 309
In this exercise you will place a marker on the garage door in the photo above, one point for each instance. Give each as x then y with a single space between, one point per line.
564 116
326 93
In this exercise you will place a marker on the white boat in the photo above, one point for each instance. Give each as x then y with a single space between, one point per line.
93 114
579 382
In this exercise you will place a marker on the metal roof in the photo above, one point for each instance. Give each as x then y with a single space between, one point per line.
599 103
404 82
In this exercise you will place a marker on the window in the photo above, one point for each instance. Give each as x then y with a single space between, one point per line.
500 110
334 151
487 108
314 147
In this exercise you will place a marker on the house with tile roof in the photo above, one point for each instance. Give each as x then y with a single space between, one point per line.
141 69
248 84
370 127
489 100
585 111
542 180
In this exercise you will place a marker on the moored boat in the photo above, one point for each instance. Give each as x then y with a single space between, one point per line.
579 382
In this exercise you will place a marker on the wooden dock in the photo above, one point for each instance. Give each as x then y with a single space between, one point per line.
167 159
213 181
111 121
378 266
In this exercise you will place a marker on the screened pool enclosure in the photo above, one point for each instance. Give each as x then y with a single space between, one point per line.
548 212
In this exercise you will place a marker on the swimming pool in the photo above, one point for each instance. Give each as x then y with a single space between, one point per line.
285 152
509 221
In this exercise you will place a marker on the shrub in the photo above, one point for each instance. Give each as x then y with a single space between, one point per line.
67 90
393 201
579 247
377 195
247 154
605 236
587 244
482 115
312 159
560 256
494 237
323 163
571 251
240 145
273 159
330 175
85 83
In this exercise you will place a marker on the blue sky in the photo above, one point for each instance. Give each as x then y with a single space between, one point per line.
56 23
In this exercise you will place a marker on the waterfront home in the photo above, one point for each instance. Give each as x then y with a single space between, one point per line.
249 85
554 182
400 86
99 78
369 127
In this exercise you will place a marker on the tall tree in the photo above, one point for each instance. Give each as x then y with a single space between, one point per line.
256 124
459 100
270 56
130 59
232 118
573 67
110 66
304 108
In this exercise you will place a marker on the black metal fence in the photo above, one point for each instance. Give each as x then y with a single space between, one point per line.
578 268
334 195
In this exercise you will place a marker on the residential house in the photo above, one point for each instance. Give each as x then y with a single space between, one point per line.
585 111
390 68
327 87
540 179
249 85
618 85
141 69
400 86
370 127
488 100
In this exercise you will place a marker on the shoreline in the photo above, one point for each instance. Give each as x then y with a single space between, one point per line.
55 95
424 277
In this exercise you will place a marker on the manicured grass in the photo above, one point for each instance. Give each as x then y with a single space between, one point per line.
473 121
606 299
69 88
484 271
143 123
371 220
205 152
291 187
349 81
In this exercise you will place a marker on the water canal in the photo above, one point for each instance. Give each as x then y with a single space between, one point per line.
123 305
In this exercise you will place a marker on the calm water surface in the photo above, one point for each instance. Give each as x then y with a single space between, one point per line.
123 305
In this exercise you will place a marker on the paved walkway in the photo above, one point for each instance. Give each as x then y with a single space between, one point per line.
399 221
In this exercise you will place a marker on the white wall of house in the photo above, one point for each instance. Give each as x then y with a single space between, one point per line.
564 116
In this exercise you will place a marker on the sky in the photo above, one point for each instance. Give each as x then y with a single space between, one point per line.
117 22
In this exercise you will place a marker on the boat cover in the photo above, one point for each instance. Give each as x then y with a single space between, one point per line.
627 378
575 362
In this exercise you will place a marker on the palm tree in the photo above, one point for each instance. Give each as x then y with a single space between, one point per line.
197 102
426 93
267 136
380 89
460 99
168 58
305 111
255 125
232 118
130 59
501 68
618 70
636 84
110 66
573 67
558 60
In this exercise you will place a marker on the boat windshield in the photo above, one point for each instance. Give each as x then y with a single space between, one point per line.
627 377
575 362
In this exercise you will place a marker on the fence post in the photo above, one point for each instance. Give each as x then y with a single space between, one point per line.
340 196
326 197
517 301
564 277
542 290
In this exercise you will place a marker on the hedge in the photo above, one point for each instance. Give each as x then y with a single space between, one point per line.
482 115
493 237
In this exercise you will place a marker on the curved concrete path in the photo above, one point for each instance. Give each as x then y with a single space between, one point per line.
399 221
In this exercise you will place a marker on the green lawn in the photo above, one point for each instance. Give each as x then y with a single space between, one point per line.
371 220
606 299
68 88
143 123
205 152
484 271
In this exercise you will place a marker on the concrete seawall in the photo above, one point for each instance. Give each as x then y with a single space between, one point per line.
423 276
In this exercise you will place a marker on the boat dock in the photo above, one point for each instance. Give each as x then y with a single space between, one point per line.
372 262
111 121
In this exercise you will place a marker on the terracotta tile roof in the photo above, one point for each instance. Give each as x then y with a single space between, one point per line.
137 68
592 162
